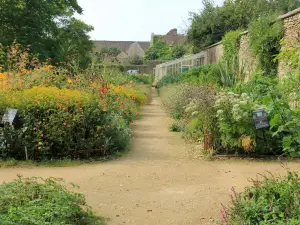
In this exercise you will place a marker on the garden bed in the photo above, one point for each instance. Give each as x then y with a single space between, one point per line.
43 201
74 117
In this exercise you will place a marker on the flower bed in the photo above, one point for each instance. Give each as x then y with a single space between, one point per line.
68 119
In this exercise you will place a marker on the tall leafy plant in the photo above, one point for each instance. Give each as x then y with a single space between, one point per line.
264 37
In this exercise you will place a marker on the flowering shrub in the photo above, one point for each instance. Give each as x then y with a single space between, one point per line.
234 119
73 116
62 123
271 201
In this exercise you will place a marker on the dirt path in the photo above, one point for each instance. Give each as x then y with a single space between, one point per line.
157 183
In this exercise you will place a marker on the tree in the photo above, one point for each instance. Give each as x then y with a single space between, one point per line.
178 51
44 26
212 22
158 51
161 51
73 42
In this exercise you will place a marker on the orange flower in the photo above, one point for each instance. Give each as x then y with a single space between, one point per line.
137 113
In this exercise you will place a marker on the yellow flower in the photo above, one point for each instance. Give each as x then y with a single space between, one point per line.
40 143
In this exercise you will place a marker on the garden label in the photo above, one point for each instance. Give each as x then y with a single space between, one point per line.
9 116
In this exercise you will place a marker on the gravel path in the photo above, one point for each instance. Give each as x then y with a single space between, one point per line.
160 182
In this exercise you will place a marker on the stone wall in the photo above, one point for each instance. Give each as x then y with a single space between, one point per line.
247 61
291 23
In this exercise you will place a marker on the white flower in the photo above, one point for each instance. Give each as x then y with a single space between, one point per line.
220 111
244 95
195 113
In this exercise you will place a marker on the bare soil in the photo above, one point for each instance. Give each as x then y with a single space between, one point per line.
161 181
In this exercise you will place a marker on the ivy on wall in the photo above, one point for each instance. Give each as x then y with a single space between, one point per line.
231 44
264 40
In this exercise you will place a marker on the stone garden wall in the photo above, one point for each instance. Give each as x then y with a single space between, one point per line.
248 61
291 22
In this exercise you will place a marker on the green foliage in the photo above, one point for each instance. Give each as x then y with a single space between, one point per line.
271 201
290 83
178 51
71 125
175 97
169 79
176 115
231 72
213 22
230 44
194 105
135 60
73 117
284 122
43 201
51 30
234 113
142 78
158 51
73 43
161 51
264 38
175 127
194 129
206 74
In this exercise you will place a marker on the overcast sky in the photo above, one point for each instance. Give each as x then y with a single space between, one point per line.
135 20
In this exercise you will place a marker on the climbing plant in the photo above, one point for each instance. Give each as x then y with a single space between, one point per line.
230 44
264 38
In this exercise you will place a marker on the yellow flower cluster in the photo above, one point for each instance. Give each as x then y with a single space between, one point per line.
129 92
44 96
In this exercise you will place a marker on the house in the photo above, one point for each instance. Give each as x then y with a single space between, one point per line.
129 49
171 38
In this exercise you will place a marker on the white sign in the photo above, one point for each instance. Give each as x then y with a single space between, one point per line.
9 116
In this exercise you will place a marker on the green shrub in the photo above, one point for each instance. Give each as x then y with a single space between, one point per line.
234 120
175 127
29 201
272 201
206 74
176 115
175 97
142 78
169 79
194 129
264 37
